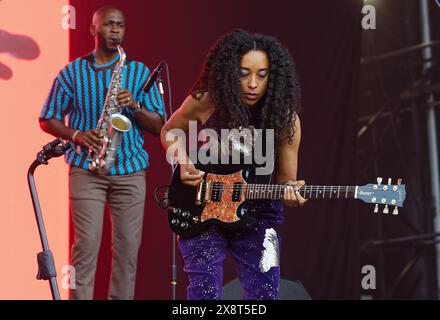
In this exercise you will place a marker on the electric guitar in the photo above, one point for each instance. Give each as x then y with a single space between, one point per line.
228 200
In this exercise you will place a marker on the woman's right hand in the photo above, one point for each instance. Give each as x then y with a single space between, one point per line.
190 175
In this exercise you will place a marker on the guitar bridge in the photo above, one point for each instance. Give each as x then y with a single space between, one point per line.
206 197
199 194
202 196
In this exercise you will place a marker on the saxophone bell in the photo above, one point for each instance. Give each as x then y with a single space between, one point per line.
119 124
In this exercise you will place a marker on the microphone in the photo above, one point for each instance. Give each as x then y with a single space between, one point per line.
51 145
160 85
53 149
152 78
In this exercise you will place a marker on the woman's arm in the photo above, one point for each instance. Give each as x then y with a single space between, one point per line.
192 109
287 165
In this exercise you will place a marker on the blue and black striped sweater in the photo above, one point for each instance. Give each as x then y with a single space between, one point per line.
79 91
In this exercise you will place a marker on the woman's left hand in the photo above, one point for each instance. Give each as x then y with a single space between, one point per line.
292 198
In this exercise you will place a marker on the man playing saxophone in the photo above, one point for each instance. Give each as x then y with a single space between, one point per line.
81 91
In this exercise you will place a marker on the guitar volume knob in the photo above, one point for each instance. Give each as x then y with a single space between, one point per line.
185 214
184 225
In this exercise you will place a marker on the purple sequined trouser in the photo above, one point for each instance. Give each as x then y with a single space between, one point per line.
255 251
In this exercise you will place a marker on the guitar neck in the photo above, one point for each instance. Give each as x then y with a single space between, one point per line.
276 191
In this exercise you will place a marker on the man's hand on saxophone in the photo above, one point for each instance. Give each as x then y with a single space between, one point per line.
89 139
125 99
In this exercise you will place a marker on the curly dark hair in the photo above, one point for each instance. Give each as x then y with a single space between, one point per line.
220 77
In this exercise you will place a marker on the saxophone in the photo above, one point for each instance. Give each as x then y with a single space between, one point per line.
112 124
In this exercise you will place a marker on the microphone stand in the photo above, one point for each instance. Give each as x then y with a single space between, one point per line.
156 77
174 242
46 265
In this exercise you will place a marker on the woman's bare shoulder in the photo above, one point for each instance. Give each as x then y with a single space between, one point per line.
198 106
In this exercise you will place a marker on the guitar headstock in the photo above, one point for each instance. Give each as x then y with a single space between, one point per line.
386 194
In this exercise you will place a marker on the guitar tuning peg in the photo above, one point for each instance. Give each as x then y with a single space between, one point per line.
385 210
399 181
379 180
395 211
389 180
376 208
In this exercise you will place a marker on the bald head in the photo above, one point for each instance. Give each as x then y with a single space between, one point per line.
101 13
108 28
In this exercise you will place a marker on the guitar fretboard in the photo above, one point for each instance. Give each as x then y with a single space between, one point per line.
276 191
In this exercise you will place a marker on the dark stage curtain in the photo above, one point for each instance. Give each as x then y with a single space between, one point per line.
320 240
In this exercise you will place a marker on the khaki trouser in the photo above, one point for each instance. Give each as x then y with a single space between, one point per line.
126 197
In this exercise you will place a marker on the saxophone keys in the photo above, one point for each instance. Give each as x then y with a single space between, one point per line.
92 165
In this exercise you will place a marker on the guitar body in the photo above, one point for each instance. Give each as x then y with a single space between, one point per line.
191 209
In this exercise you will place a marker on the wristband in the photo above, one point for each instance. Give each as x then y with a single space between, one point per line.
138 109
74 135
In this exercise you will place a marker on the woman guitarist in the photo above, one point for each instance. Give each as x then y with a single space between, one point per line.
247 80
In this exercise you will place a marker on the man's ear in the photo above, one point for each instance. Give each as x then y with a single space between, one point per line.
92 30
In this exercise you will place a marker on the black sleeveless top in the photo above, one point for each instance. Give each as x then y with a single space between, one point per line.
268 210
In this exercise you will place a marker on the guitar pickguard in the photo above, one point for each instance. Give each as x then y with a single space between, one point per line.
226 209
